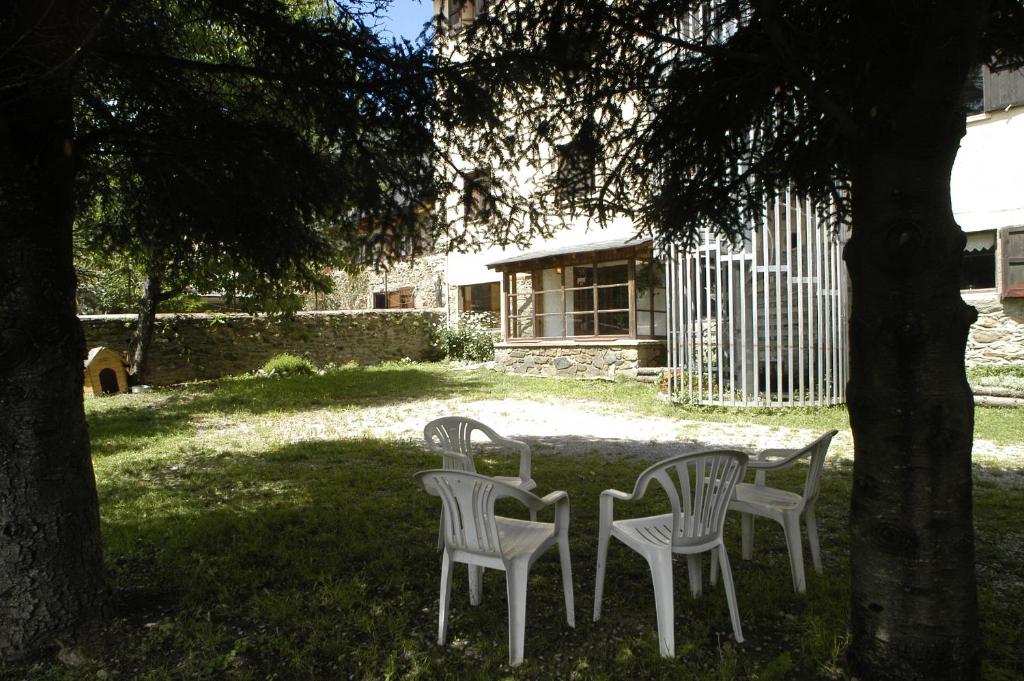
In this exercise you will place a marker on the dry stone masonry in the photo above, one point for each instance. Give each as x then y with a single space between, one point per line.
199 346
577 360
997 338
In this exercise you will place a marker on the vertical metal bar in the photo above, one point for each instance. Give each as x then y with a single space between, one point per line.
789 295
670 331
778 301
743 323
755 229
767 314
686 317
827 321
801 218
820 322
707 311
732 328
719 312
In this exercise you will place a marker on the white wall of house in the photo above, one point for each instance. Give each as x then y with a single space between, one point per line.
987 185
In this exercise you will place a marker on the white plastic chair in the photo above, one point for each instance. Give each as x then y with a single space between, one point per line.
452 438
784 507
698 487
475 536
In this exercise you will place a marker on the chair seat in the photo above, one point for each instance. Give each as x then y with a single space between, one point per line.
761 496
522 537
655 530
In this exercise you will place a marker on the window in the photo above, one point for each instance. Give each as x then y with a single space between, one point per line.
480 297
621 298
978 263
403 298
477 201
1011 244
462 12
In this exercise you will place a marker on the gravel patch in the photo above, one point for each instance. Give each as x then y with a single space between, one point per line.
570 428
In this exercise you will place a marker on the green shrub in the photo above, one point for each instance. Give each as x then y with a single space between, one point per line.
288 365
470 338
1012 370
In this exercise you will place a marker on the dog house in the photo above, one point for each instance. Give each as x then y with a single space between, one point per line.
104 372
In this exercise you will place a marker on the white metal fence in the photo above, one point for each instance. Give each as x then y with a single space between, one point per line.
762 322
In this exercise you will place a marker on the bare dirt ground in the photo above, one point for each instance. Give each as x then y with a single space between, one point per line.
570 428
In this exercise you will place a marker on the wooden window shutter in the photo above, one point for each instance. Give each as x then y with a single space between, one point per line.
1011 246
1003 88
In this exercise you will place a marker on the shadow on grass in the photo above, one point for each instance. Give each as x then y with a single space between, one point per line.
318 560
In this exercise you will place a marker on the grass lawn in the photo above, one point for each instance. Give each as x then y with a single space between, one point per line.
242 558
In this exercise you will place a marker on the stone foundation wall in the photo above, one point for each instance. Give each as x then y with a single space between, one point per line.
997 338
198 346
578 360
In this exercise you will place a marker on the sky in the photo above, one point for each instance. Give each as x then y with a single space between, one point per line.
405 18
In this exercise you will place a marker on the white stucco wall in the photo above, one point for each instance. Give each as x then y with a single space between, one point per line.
987 185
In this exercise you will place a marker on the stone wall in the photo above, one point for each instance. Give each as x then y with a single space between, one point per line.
579 360
998 336
198 346
425 274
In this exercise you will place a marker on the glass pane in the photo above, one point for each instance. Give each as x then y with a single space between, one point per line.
550 325
583 299
583 325
521 305
643 322
615 272
613 323
521 327
660 324
579 276
614 298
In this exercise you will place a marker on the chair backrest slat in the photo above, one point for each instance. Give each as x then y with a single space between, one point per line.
468 508
700 492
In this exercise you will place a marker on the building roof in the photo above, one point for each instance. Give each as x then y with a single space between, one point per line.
609 245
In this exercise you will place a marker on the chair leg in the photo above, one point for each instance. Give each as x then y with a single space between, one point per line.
661 574
747 525
446 597
791 527
440 535
730 592
602 560
563 555
476 579
695 568
812 537
515 583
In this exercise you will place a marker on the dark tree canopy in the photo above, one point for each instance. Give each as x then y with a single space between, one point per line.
244 144
695 115
702 109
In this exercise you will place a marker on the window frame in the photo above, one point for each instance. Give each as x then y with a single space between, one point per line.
522 310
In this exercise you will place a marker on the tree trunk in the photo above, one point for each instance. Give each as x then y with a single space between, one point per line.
148 304
50 562
913 591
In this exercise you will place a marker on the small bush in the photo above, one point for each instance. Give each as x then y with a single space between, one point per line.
471 338
288 365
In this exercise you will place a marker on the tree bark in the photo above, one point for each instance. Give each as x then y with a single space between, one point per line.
148 304
913 590
51 581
